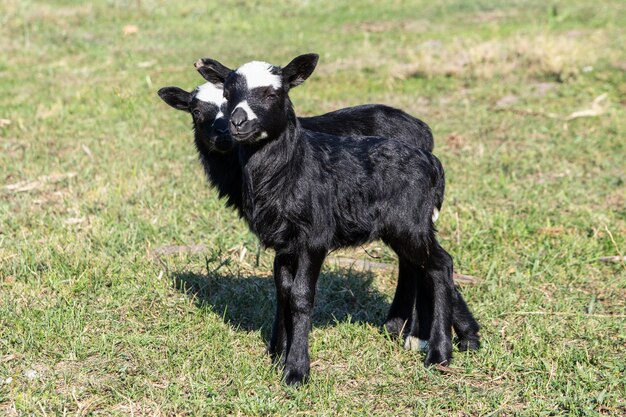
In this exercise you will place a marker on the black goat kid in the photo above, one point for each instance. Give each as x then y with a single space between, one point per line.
306 193
217 151
219 157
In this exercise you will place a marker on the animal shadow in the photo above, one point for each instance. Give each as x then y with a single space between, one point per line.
249 302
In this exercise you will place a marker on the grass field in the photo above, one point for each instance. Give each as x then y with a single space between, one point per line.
527 101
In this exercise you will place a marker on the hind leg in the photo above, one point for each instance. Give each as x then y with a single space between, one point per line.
438 267
412 309
404 299
421 323
464 324
437 274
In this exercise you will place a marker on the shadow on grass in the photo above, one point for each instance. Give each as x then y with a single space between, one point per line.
248 302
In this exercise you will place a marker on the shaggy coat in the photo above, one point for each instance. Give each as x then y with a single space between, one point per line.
220 159
216 150
219 154
306 193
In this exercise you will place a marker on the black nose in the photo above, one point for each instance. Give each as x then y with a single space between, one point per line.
238 118
221 126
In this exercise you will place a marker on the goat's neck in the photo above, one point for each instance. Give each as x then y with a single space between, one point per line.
269 170
221 169
277 156
211 161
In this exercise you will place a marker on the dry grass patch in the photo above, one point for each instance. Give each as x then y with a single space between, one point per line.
553 56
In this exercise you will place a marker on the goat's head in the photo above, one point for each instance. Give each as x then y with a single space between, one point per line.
206 105
257 95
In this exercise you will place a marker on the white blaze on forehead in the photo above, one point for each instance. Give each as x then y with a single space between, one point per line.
246 107
259 74
220 113
209 93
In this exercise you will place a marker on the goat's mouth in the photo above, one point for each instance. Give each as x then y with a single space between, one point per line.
246 136
222 143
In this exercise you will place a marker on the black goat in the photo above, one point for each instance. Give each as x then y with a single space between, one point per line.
219 156
217 151
305 193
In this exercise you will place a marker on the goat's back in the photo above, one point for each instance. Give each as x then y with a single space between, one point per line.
372 120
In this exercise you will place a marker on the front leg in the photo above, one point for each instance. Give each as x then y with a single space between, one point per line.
302 297
284 267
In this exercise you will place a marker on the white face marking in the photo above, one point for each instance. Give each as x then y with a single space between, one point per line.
416 344
209 93
435 214
258 74
246 107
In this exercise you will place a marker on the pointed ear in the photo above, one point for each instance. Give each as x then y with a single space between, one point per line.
212 71
299 69
176 97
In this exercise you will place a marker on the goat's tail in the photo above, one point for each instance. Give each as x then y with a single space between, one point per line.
439 186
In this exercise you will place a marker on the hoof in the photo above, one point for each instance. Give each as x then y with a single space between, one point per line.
295 377
469 344
278 359
436 357
277 353
415 344
395 326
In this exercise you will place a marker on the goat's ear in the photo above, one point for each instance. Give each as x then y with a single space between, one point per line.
175 97
299 69
212 71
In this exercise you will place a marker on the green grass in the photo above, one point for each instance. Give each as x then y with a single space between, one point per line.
92 324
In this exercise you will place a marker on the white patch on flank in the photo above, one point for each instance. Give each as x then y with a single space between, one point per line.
258 74
416 344
435 214
246 107
209 93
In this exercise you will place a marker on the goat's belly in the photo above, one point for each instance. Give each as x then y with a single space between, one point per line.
352 237
273 233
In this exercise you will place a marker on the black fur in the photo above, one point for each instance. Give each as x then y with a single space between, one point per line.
219 157
372 120
306 193
217 152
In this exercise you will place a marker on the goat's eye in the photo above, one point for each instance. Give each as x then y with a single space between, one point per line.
196 113
271 96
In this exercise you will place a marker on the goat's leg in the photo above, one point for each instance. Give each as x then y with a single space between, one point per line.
463 321
281 331
439 268
404 299
465 325
302 297
422 321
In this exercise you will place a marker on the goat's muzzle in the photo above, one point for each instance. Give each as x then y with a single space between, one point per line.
241 129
